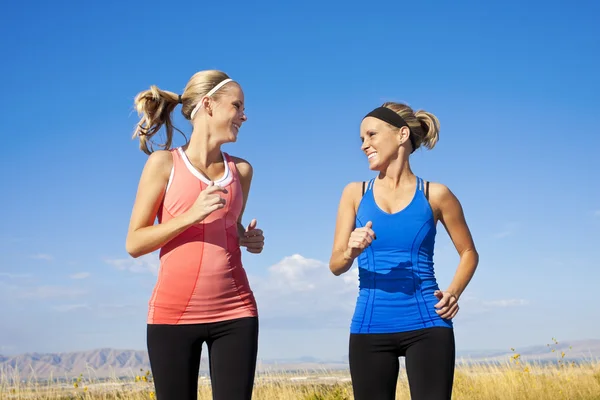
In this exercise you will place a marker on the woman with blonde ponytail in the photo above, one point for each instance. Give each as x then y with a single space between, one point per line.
389 225
198 194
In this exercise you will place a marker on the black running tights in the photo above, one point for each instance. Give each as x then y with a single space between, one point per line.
429 354
174 352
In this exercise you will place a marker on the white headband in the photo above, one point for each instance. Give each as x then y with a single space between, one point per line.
210 93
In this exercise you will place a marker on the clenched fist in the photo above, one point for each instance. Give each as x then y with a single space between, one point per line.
208 201
360 239
253 238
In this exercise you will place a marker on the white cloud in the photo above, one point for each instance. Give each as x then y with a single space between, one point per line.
144 264
301 292
298 292
80 275
597 213
46 257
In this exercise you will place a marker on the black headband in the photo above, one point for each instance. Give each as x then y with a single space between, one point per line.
389 116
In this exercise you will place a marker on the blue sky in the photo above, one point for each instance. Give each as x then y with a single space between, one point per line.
514 84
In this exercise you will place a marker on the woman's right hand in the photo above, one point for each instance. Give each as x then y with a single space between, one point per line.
208 201
360 239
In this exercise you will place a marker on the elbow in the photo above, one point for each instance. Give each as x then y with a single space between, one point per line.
472 255
335 269
132 249
133 252
332 267
475 255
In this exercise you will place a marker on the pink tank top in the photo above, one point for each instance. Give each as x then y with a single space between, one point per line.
201 278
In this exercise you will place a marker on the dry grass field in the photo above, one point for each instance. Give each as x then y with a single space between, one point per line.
512 379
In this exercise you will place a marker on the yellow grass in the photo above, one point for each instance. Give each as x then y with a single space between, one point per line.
512 379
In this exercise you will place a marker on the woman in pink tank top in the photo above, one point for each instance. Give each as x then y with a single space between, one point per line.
197 194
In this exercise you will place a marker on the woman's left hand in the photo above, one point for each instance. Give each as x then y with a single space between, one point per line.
447 306
253 238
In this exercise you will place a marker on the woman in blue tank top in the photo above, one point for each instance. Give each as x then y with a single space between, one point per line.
389 224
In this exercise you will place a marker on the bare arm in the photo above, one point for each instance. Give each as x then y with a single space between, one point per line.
451 215
246 172
143 236
250 237
348 242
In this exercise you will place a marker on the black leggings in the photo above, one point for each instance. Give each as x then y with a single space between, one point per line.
174 352
429 353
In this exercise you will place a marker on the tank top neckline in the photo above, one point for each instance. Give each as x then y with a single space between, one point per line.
200 175
412 200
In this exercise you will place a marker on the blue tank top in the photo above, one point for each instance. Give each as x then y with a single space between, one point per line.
396 275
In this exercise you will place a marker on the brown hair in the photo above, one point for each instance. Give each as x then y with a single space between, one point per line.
424 126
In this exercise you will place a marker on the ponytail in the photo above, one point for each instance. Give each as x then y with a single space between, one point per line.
424 126
430 126
155 106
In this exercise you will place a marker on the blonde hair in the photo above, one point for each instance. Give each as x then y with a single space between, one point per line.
424 126
155 106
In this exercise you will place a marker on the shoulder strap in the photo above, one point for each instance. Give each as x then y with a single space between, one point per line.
176 158
420 184
230 165
227 159
423 186
367 185
175 153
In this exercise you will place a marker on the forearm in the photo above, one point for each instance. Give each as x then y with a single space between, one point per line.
469 260
148 239
340 262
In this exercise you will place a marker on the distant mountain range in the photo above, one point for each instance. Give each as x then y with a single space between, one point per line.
576 350
112 363
100 363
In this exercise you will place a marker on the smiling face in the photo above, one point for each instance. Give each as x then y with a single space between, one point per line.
381 142
227 113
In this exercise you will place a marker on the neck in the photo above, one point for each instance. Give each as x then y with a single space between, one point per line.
201 149
397 173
